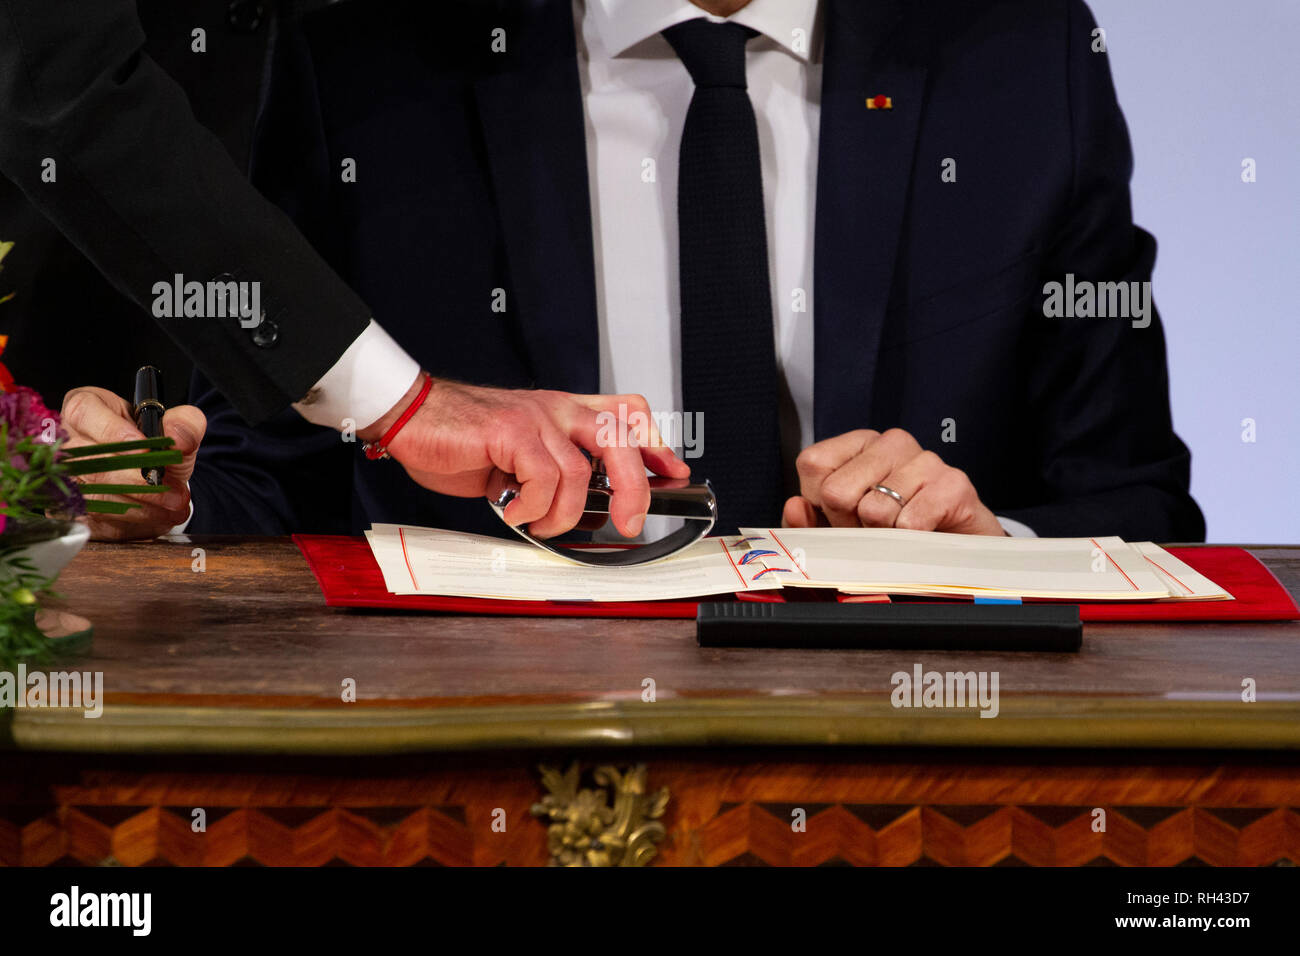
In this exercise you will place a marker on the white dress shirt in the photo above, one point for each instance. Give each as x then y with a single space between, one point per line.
635 94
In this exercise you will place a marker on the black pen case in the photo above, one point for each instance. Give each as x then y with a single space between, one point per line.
937 627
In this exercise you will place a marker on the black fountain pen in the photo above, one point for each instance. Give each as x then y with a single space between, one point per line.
147 409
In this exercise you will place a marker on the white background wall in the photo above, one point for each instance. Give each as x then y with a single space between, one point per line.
1204 84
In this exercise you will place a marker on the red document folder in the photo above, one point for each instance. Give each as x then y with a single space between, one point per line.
349 577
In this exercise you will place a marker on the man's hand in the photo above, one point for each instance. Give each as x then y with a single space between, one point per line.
837 479
464 439
94 415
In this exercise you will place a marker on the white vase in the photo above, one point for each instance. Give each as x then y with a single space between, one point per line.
52 556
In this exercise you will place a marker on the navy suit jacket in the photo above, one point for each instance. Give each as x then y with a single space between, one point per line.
928 295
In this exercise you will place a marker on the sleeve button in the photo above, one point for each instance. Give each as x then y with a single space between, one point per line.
245 16
266 333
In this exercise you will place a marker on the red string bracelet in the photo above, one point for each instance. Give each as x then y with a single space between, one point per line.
379 449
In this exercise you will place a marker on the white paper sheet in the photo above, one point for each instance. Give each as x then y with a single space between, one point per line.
895 561
1184 582
428 561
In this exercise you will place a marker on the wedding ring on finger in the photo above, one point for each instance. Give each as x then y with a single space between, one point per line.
902 503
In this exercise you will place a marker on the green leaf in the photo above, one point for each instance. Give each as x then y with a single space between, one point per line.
105 489
110 507
82 451
150 459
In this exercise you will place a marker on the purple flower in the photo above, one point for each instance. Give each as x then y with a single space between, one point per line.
26 414
29 420
67 501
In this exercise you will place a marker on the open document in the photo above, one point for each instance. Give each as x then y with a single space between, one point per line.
853 561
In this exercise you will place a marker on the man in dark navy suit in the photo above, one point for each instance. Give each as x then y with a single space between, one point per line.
827 228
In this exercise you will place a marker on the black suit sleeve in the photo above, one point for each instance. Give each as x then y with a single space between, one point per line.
285 475
146 193
1098 388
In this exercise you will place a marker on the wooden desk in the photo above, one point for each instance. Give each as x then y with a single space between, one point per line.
223 692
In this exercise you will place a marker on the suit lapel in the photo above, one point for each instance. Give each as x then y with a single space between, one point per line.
863 177
532 118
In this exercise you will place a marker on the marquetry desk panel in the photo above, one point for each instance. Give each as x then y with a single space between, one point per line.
860 809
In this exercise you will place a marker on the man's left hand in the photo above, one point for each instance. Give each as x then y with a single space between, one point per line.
837 479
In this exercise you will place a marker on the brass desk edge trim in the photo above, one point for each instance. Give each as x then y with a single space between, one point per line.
1041 722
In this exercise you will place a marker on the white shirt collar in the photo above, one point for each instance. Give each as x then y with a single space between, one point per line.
621 24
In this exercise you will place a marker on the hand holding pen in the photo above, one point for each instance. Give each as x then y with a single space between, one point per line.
95 415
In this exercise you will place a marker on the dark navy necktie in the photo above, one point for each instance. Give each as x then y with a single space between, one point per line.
727 339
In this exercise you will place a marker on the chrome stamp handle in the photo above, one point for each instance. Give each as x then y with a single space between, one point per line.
672 497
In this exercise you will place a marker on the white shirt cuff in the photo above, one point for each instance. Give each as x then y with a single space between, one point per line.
1015 528
180 528
367 380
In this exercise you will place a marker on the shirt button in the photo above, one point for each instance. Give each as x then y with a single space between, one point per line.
266 334
245 16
